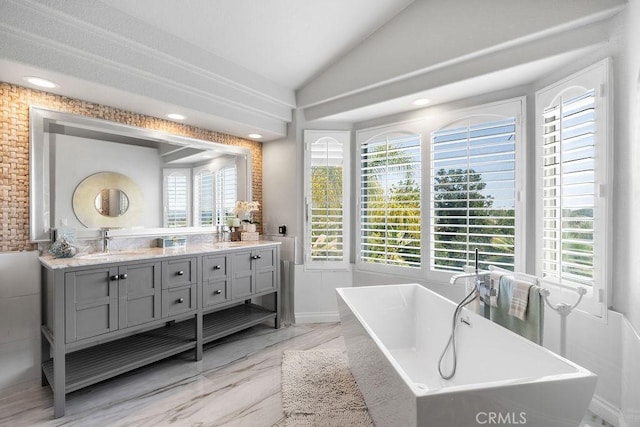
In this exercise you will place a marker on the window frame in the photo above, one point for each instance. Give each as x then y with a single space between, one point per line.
513 107
598 78
343 137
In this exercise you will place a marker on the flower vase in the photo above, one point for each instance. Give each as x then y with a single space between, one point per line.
249 227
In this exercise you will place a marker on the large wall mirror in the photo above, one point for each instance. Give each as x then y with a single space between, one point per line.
146 182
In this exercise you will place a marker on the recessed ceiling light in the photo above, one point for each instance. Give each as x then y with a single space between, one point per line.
255 135
176 116
421 101
37 81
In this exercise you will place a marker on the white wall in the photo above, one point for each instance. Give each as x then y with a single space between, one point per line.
627 175
631 374
19 318
78 158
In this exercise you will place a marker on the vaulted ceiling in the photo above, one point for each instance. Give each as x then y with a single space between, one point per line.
243 66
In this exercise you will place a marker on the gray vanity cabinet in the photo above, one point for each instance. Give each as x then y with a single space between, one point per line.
254 272
91 302
265 265
140 294
104 318
179 286
243 277
102 300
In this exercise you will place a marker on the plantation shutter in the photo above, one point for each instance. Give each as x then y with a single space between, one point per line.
226 193
327 200
473 195
390 200
569 185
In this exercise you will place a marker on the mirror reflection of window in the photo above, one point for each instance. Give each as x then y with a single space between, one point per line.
226 192
177 190
215 191
203 202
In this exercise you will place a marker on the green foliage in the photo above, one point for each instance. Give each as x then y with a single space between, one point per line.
326 214
465 219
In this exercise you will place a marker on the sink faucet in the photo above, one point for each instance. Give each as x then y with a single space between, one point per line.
105 238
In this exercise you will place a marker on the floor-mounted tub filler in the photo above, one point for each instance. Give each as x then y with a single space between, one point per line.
395 334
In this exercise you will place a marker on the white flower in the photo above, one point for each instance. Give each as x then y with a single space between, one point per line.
244 207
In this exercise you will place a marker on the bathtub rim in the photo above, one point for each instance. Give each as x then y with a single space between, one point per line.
579 371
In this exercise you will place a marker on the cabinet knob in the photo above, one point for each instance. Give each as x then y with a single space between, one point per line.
256 257
180 300
115 277
217 292
123 276
217 267
180 273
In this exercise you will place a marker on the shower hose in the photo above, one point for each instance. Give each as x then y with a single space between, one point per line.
452 338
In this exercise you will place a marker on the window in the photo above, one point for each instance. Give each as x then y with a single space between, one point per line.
572 169
390 198
473 193
327 198
177 202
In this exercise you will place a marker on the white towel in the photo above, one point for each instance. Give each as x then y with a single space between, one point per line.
520 299
494 281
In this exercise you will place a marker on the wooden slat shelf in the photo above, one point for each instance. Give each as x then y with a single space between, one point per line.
225 322
104 361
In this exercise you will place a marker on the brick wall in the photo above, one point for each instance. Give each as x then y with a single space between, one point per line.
14 151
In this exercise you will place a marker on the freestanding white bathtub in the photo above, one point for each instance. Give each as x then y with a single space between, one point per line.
394 336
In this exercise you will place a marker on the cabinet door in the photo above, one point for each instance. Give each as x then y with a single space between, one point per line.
242 280
179 272
91 303
139 294
178 300
265 264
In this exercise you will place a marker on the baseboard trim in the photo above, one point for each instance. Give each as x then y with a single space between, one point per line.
318 317
607 411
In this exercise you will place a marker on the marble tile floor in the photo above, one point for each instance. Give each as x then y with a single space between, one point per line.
237 383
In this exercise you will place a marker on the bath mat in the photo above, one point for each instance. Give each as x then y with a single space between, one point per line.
319 390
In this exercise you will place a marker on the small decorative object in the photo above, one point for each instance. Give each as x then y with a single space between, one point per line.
172 242
247 236
246 209
63 248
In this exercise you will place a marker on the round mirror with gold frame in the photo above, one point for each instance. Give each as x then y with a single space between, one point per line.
108 199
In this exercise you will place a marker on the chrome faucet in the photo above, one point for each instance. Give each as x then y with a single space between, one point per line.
482 285
105 238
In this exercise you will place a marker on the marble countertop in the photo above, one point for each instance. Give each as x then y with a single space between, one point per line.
82 260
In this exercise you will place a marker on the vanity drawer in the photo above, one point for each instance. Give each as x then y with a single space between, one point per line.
179 272
178 300
215 292
214 267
